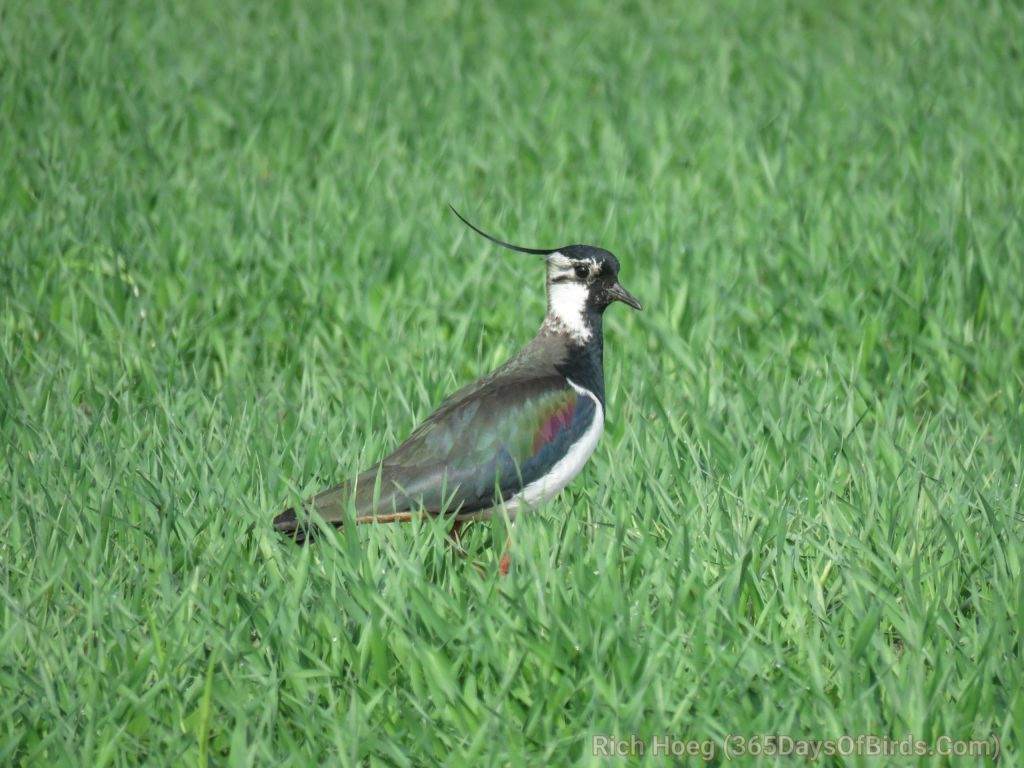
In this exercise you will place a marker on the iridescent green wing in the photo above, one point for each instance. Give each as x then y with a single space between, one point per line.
496 439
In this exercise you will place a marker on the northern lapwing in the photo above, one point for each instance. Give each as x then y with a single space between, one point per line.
510 440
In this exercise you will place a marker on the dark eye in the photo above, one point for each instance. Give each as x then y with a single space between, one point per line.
582 272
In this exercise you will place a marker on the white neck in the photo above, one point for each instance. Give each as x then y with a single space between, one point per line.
567 304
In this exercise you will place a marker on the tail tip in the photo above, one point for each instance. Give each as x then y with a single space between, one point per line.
286 522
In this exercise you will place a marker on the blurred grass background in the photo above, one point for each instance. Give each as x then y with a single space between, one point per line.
228 278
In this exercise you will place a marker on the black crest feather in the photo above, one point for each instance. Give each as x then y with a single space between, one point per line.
502 243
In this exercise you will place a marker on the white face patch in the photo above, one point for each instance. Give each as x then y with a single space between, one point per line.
567 296
566 304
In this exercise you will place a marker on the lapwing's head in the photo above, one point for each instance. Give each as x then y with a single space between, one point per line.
582 281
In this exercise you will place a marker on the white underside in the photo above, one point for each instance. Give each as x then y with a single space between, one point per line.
568 466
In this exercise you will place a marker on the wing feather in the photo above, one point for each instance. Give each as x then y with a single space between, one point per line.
484 444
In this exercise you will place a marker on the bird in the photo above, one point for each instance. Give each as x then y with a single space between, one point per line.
509 441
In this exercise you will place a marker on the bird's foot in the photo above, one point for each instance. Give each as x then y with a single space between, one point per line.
455 542
506 559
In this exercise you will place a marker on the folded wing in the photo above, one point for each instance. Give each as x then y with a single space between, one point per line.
484 444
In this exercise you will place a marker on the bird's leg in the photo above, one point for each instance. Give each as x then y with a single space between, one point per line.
456 544
455 541
506 561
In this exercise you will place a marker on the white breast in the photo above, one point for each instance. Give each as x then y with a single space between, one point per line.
562 473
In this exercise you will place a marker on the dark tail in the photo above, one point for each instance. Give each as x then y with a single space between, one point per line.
288 523
336 505
298 530
327 505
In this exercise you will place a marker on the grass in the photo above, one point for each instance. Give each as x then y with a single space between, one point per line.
228 278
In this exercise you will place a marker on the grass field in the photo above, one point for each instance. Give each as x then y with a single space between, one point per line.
228 278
